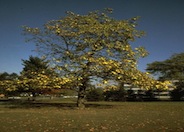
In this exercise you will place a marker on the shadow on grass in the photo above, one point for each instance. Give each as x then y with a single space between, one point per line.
13 104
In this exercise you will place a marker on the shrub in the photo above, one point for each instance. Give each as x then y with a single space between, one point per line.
95 95
115 95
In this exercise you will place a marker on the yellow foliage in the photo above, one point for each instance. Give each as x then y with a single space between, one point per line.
84 39
110 87
105 81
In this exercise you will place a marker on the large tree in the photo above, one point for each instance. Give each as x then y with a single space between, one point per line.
84 47
170 69
35 74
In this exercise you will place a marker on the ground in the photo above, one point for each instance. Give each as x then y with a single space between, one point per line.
58 116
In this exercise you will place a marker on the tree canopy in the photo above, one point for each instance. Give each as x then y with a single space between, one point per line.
7 79
169 69
83 47
35 64
37 76
7 76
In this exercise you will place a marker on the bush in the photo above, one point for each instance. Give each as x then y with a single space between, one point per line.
95 95
150 96
115 95
178 93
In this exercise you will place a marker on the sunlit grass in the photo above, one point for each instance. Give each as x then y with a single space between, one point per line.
101 116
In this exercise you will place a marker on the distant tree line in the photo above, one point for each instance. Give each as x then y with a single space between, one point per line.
125 95
170 69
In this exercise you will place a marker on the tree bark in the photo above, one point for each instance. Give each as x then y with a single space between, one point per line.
81 97
82 89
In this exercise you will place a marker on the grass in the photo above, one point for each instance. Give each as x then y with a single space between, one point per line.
63 116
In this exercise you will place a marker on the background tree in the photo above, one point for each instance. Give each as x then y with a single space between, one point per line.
170 69
7 78
84 47
35 76
35 64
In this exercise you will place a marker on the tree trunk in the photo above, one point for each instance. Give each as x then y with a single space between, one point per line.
81 97
82 89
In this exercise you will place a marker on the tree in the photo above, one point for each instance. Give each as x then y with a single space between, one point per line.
170 69
36 76
84 47
7 78
35 64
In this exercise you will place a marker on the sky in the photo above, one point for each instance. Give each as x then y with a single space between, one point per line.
162 20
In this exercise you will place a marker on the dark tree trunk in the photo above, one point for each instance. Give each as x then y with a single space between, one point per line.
81 98
82 94
82 89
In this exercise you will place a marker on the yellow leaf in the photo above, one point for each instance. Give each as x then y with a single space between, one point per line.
105 81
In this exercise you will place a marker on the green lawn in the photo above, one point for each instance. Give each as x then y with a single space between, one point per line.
63 116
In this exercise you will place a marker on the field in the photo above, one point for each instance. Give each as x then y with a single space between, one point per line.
63 116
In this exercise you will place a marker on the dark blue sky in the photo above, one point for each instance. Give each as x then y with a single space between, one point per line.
162 20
